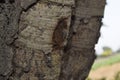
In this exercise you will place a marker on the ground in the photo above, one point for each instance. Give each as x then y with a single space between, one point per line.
107 72
105 68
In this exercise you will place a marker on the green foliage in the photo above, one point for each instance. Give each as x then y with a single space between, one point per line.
107 51
108 61
106 48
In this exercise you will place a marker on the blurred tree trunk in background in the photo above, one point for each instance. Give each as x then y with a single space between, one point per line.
48 39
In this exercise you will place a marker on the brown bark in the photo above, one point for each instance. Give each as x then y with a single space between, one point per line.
48 39
79 58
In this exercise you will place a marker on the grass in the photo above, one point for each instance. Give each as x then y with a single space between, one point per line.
108 61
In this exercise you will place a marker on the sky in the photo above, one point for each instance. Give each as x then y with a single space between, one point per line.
110 31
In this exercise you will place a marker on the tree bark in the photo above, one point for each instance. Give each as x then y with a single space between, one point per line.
48 39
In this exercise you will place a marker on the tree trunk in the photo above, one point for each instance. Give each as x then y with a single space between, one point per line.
48 39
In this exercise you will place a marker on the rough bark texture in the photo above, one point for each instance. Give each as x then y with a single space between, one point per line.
48 39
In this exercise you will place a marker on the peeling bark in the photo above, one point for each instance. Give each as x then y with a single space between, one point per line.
48 39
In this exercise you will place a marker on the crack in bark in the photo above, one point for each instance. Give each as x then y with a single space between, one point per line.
40 75
48 60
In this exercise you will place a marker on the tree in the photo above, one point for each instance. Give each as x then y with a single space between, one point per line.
48 39
106 48
106 51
